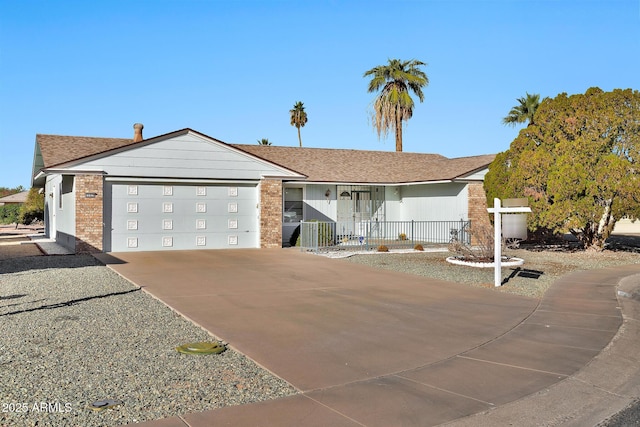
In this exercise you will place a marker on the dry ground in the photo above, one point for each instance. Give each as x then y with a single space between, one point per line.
17 247
542 266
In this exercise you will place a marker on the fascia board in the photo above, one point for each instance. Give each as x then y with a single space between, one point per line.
377 184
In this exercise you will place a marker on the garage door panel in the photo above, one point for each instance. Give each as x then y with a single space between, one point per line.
147 217
174 241
181 224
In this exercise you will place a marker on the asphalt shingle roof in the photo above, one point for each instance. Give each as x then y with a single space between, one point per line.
318 164
15 198
359 166
58 149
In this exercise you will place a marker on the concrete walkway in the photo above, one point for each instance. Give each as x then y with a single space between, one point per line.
369 347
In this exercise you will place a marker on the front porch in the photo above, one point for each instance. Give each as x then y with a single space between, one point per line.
348 207
370 234
367 216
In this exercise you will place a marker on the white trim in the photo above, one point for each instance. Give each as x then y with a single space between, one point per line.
467 181
179 180
510 210
373 184
72 172
475 171
268 176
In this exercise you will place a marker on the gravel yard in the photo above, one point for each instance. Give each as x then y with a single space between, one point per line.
540 269
74 333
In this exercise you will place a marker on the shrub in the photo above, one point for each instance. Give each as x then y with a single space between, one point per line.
418 247
482 236
33 209
383 248
402 236
9 214
325 234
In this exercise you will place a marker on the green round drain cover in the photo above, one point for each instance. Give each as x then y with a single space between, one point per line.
202 348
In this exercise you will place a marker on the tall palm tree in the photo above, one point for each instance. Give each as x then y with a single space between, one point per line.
264 141
298 117
394 104
524 111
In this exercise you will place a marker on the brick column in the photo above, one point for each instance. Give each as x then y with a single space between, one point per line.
271 213
477 208
89 213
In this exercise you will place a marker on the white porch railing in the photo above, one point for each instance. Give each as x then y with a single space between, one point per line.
366 235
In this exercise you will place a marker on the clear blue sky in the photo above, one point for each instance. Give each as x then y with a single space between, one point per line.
234 69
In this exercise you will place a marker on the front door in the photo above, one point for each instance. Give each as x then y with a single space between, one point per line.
358 205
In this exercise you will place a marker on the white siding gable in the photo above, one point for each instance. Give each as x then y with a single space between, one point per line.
476 176
186 156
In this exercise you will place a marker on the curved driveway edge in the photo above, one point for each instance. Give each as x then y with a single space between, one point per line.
606 385
377 348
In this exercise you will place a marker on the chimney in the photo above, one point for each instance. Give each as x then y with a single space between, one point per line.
137 132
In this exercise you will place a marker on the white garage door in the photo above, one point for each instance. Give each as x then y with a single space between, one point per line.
151 217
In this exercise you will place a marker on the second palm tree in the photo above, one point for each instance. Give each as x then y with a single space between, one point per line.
298 117
524 111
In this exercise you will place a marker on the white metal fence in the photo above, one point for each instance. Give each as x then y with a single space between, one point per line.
366 235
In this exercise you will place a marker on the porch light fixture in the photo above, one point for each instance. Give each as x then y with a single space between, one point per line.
345 194
327 195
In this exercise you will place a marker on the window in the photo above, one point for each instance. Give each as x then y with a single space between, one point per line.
65 187
292 205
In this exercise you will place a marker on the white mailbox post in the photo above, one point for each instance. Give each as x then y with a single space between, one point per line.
497 210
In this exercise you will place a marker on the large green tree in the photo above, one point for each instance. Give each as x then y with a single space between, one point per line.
394 104
298 117
577 164
33 208
9 212
524 111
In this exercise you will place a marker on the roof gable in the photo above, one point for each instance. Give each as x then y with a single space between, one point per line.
182 154
317 164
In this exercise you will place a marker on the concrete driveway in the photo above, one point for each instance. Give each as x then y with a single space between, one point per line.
374 347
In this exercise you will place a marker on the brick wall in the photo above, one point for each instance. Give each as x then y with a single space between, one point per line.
271 213
89 210
478 207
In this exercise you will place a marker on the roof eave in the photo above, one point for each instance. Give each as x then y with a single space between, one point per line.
294 174
381 184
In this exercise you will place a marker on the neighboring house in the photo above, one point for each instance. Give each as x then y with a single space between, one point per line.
14 199
186 190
